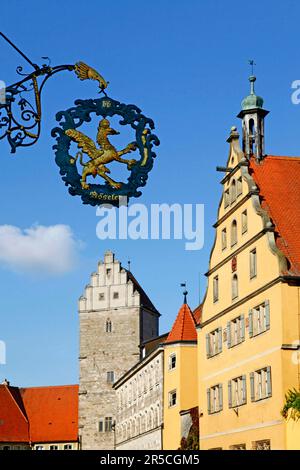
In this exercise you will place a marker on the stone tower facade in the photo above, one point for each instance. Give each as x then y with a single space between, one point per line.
116 316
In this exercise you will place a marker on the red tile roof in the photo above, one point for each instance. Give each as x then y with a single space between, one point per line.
13 420
197 314
52 412
39 414
278 180
184 327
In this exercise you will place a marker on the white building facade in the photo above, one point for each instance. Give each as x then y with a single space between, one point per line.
139 419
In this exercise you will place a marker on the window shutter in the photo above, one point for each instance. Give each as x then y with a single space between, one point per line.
242 327
250 323
229 334
252 386
269 382
207 346
219 339
244 389
229 394
208 400
220 397
267 314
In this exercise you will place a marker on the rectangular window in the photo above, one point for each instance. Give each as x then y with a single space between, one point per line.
172 361
261 385
261 445
108 424
172 398
237 392
216 288
238 447
259 319
236 331
53 447
214 342
108 272
226 199
110 377
244 222
101 296
224 239
253 264
115 295
215 399
101 426
68 447
239 186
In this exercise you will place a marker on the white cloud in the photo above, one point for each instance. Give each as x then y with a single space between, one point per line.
40 249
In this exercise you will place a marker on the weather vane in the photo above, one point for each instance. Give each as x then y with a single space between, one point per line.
185 292
20 124
252 64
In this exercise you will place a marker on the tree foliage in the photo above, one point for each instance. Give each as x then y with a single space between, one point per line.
292 405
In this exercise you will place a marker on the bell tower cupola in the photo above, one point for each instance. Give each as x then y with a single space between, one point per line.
253 115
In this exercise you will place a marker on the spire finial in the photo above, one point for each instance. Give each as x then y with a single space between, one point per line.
129 263
252 77
252 63
185 292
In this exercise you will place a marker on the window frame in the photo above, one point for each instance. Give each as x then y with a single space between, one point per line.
253 263
108 423
234 287
171 395
110 377
215 398
172 356
244 228
216 289
234 233
217 340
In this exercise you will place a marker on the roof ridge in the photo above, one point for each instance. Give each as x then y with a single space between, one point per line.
48 386
284 157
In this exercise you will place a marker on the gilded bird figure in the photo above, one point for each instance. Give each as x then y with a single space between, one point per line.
85 72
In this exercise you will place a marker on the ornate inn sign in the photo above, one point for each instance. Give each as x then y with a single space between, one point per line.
83 159
88 159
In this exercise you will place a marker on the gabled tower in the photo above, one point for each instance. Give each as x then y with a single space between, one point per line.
116 316
253 115
180 378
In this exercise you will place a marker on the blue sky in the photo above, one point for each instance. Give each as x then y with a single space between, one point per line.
185 65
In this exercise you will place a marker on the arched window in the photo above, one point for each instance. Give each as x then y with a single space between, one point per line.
251 135
233 233
235 287
108 326
233 191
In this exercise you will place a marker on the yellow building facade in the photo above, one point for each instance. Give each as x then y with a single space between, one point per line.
248 336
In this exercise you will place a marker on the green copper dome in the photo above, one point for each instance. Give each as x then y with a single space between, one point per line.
252 101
